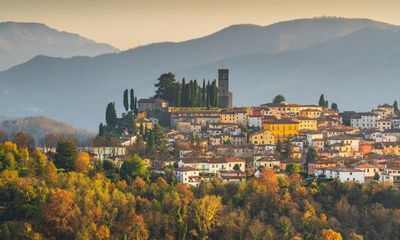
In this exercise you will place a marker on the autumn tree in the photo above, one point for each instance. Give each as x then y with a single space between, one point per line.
268 181
61 214
205 211
24 140
331 235
82 163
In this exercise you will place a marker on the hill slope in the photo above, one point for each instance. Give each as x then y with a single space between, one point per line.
20 42
300 58
39 126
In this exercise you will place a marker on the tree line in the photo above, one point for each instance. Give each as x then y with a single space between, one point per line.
74 196
186 94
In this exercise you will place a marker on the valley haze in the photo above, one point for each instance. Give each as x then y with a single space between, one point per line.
348 60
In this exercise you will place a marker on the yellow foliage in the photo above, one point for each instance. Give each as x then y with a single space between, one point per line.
82 163
205 212
331 235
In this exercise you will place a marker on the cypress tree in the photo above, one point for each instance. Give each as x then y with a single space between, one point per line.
132 100
322 101
150 142
208 97
189 93
334 106
126 100
214 94
101 129
183 93
396 107
178 94
326 103
203 94
108 114
199 94
132 125
111 115
135 108
194 93
141 130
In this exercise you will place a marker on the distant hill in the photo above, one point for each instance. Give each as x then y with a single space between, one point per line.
344 58
20 42
39 126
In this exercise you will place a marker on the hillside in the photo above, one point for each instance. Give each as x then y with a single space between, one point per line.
299 58
39 126
20 42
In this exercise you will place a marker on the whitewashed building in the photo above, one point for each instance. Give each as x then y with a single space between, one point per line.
342 174
187 175
364 120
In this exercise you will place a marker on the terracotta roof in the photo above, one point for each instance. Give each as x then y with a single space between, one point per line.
185 169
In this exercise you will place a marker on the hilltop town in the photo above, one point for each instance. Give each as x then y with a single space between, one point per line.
211 140
186 164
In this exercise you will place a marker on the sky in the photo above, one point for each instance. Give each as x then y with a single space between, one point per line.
129 23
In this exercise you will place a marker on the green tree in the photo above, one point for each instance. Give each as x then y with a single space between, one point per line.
287 150
132 101
183 93
133 167
66 154
278 99
396 107
111 115
166 87
160 139
203 94
293 168
132 125
150 141
214 94
311 154
208 97
322 101
334 106
126 100
101 129
136 108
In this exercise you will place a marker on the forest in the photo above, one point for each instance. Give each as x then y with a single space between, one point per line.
73 196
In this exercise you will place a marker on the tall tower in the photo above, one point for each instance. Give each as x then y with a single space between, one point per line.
225 97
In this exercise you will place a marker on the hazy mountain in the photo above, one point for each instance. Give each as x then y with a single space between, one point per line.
39 126
20 42
345 58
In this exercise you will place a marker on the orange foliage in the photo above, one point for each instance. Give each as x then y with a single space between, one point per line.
331 235
61 212
269 181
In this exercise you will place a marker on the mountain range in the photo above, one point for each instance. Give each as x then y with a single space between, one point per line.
354 62
20 42
40 126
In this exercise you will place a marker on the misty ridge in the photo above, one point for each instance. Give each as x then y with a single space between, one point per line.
349 60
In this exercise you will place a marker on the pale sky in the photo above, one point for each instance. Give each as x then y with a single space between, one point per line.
129 23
